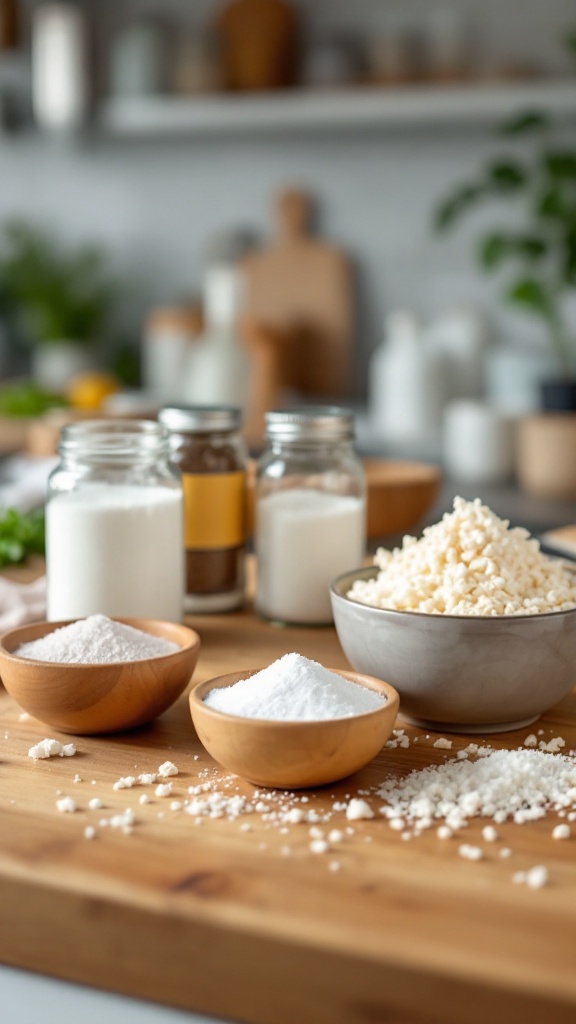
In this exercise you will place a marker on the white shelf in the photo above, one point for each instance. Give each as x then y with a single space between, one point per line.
351 109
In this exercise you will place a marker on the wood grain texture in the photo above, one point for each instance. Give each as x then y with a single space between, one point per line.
217 919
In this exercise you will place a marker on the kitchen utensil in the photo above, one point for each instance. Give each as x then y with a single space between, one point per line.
293 755
460 673
89 699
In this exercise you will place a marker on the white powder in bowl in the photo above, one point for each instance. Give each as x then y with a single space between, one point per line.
470 563
294 689
96 640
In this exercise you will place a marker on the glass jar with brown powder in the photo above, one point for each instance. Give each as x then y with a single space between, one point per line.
209 452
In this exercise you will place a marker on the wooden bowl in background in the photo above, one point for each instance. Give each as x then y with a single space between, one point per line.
90 699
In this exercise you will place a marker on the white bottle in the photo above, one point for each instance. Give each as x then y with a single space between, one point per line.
406 382
218 366
460 335
60 92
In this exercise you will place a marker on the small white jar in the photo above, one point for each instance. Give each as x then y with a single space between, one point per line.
114 524
478 442
310 513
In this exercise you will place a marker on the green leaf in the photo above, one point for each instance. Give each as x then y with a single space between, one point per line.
21 534
493 249
561 165
532 295
552 204
507 176
529 121
452 208
570 257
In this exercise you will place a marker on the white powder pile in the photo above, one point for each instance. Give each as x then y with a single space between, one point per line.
96 640
470 563
294 689
518 784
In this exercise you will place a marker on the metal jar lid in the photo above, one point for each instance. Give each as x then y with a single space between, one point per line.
314 423
200 419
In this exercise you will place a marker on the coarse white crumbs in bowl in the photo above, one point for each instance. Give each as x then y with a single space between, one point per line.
470 563
472 625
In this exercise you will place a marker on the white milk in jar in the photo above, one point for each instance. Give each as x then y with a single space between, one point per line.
114 524
305 539
310 512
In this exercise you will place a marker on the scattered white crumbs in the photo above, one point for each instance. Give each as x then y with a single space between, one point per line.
95 803
77 778
124 783
531 741
442 743
470 852
319 846
561 832
534 878
358 809
443 832
553 746
505 852
335 835
51 748
23 716
164 789
66 805
147 778
489 834
176 805
167 769
89 832
144 799
397 824
499 784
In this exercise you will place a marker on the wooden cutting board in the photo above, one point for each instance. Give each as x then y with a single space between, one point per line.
222 920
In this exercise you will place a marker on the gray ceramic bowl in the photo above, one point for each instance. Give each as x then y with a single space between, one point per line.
460 673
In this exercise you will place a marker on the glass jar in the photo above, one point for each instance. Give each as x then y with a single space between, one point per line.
208 450
310 512
114 524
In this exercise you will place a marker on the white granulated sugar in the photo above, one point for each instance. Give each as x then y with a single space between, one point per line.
147 778
294 689
164 789
470 563
443 744
561 832
518 784
167 769
124 783
51 748
96 640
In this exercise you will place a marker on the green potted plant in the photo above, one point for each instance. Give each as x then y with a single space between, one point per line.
534 244
61 300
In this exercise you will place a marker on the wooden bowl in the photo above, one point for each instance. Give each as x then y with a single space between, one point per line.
399 494
293 755
87 699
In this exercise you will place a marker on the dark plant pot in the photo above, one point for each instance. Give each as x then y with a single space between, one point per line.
559 395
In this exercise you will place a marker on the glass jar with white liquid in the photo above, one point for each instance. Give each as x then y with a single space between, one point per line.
310 512
114 524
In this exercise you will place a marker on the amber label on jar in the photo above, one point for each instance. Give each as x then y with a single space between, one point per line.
214 505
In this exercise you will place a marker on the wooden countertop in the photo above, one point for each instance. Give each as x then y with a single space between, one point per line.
251 925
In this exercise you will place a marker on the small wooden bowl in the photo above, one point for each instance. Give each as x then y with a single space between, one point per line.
89 699
293 755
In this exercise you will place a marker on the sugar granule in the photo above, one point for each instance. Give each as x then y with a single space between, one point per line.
294 688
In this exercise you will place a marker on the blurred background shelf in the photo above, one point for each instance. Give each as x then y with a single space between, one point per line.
350 109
